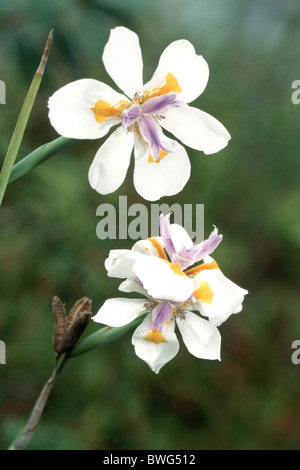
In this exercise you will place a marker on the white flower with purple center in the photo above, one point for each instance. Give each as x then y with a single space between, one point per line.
87 109
171 295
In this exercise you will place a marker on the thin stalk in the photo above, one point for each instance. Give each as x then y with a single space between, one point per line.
19 130
99 338
24 437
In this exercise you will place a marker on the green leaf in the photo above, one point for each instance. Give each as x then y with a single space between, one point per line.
103 336
38 156
22 121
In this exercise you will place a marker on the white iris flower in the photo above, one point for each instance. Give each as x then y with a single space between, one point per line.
87 109
156 268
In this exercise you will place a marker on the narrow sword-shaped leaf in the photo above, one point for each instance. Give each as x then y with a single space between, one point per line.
22 120
38 156
103 336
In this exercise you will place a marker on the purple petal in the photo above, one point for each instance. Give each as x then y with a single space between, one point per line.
130 115
152 134
187 256
211 243
159 104
161 314
197 252
165 234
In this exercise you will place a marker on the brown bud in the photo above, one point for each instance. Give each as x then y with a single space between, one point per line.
59 323
68 329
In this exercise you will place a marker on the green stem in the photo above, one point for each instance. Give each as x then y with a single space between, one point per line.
25 435
22 121
103 336
99 338
39 155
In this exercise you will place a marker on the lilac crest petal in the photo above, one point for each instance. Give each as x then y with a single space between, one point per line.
206 247
165 234
159 104
161 314
212 242
153 135
130 115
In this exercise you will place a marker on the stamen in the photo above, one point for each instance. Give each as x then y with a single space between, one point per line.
179 312
150 305
158 117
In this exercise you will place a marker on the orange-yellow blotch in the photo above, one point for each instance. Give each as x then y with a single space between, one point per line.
202 267
104 110
154 336
204 293
162 155
176 268
160 250
171 86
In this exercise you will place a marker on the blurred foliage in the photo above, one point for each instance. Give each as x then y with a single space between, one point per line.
108 398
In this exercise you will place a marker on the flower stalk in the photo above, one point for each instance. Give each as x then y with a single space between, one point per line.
19 130
24 437
67 330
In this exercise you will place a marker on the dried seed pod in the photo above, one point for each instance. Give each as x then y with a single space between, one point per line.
60 323
80 316
68 329
81 306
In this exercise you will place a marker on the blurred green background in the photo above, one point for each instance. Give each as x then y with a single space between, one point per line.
108 398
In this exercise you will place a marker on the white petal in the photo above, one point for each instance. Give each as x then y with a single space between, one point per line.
153 246
201 338
180 237
160 281
119 312
238 309
196 129
168 177
70 110
130 285
190 70
110 165
155 355
122 59
120 263
227 298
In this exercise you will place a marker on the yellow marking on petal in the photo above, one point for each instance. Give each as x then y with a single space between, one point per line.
104 110
204 293
161 252
202 267
154 336
171 86
176 268
162 155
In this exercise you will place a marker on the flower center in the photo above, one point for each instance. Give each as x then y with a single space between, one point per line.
143 116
